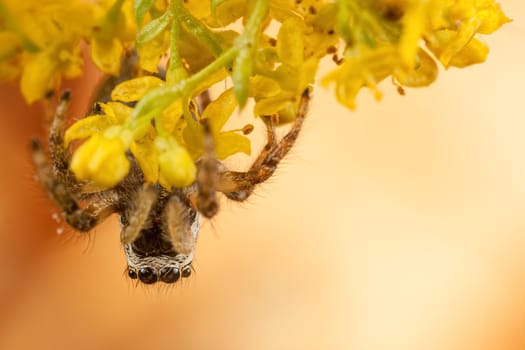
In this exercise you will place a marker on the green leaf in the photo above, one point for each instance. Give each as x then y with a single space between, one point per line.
154 28
140 7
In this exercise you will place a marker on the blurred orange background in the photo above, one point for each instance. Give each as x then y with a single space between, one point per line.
398 226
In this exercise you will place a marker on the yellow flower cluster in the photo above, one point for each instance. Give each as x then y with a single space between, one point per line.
401 38
271 59
40 40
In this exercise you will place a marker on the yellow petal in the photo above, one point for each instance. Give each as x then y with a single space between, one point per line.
198 8
473 53
146 155
87 126
120 111
272 105
414 22
219 111
38 76
261 87
492 18
296 78
453 51
290 45
424 74
152 51
229 143
70 62
107 54
172 115
133 90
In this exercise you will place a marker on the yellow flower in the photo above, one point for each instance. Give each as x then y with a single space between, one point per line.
362 66
114 29
457 45
278 92
43 71
226 142
101 160
175 164
48 33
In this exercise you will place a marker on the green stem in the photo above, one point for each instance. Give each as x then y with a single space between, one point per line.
246 43
255 21
196 28
176 71
223 60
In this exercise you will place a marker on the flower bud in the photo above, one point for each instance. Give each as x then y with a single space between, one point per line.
101 160
176 166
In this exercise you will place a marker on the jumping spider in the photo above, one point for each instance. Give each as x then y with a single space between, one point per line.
159 227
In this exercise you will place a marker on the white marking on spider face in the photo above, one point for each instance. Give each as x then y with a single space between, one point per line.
156 262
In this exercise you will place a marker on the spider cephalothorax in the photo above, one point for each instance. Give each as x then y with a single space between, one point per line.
159 226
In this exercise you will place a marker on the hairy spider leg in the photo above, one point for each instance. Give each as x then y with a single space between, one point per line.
59 182
144 200
82 219
57 149
239 186
181 229
207 175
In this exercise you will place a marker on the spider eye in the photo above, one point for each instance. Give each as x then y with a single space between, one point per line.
147 275
186 271
132 274
169 274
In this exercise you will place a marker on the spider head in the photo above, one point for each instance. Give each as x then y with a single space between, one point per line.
152 258
162 248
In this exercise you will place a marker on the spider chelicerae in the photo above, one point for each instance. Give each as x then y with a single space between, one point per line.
159 227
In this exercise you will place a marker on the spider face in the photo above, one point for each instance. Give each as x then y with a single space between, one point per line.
151 269
159 226
152 256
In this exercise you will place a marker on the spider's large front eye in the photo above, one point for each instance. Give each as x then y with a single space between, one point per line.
147 275
169 274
